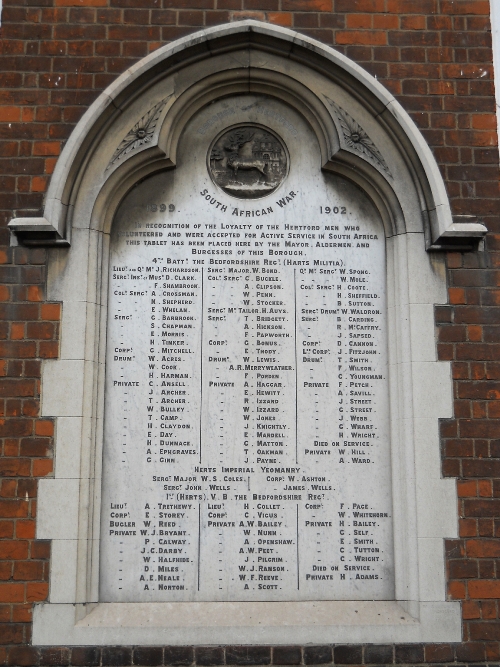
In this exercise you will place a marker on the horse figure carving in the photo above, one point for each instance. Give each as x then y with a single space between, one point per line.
247 162
235 162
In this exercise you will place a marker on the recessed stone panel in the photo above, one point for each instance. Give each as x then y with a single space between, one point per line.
246 445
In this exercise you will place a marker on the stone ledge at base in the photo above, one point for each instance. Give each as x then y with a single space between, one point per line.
255 623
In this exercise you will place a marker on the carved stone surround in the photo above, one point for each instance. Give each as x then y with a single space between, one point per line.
363 136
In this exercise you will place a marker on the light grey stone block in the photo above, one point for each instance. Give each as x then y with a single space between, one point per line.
352 152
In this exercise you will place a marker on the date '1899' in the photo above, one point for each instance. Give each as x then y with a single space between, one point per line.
160 207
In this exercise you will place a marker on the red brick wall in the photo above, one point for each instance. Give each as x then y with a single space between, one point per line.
56 56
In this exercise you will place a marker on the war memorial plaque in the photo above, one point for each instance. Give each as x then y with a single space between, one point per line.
246 427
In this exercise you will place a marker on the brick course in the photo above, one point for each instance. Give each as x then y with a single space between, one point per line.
435 56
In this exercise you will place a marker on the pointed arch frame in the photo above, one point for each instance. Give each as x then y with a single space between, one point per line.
164 91
54 228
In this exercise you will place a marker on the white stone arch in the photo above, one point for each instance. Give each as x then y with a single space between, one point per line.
104 158
251 35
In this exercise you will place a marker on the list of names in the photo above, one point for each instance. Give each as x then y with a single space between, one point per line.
246 450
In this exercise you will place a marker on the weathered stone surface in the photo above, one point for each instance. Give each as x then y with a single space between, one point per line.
247 452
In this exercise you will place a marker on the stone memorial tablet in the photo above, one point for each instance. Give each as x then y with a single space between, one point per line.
246 444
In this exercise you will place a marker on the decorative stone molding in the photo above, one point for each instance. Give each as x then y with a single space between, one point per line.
142 133
356 139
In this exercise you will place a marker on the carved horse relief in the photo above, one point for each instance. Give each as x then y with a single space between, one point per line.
248 162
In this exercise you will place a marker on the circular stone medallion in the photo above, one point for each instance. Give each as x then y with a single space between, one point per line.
248 161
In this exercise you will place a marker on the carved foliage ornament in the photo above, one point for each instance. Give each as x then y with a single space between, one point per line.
142 132
356 139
